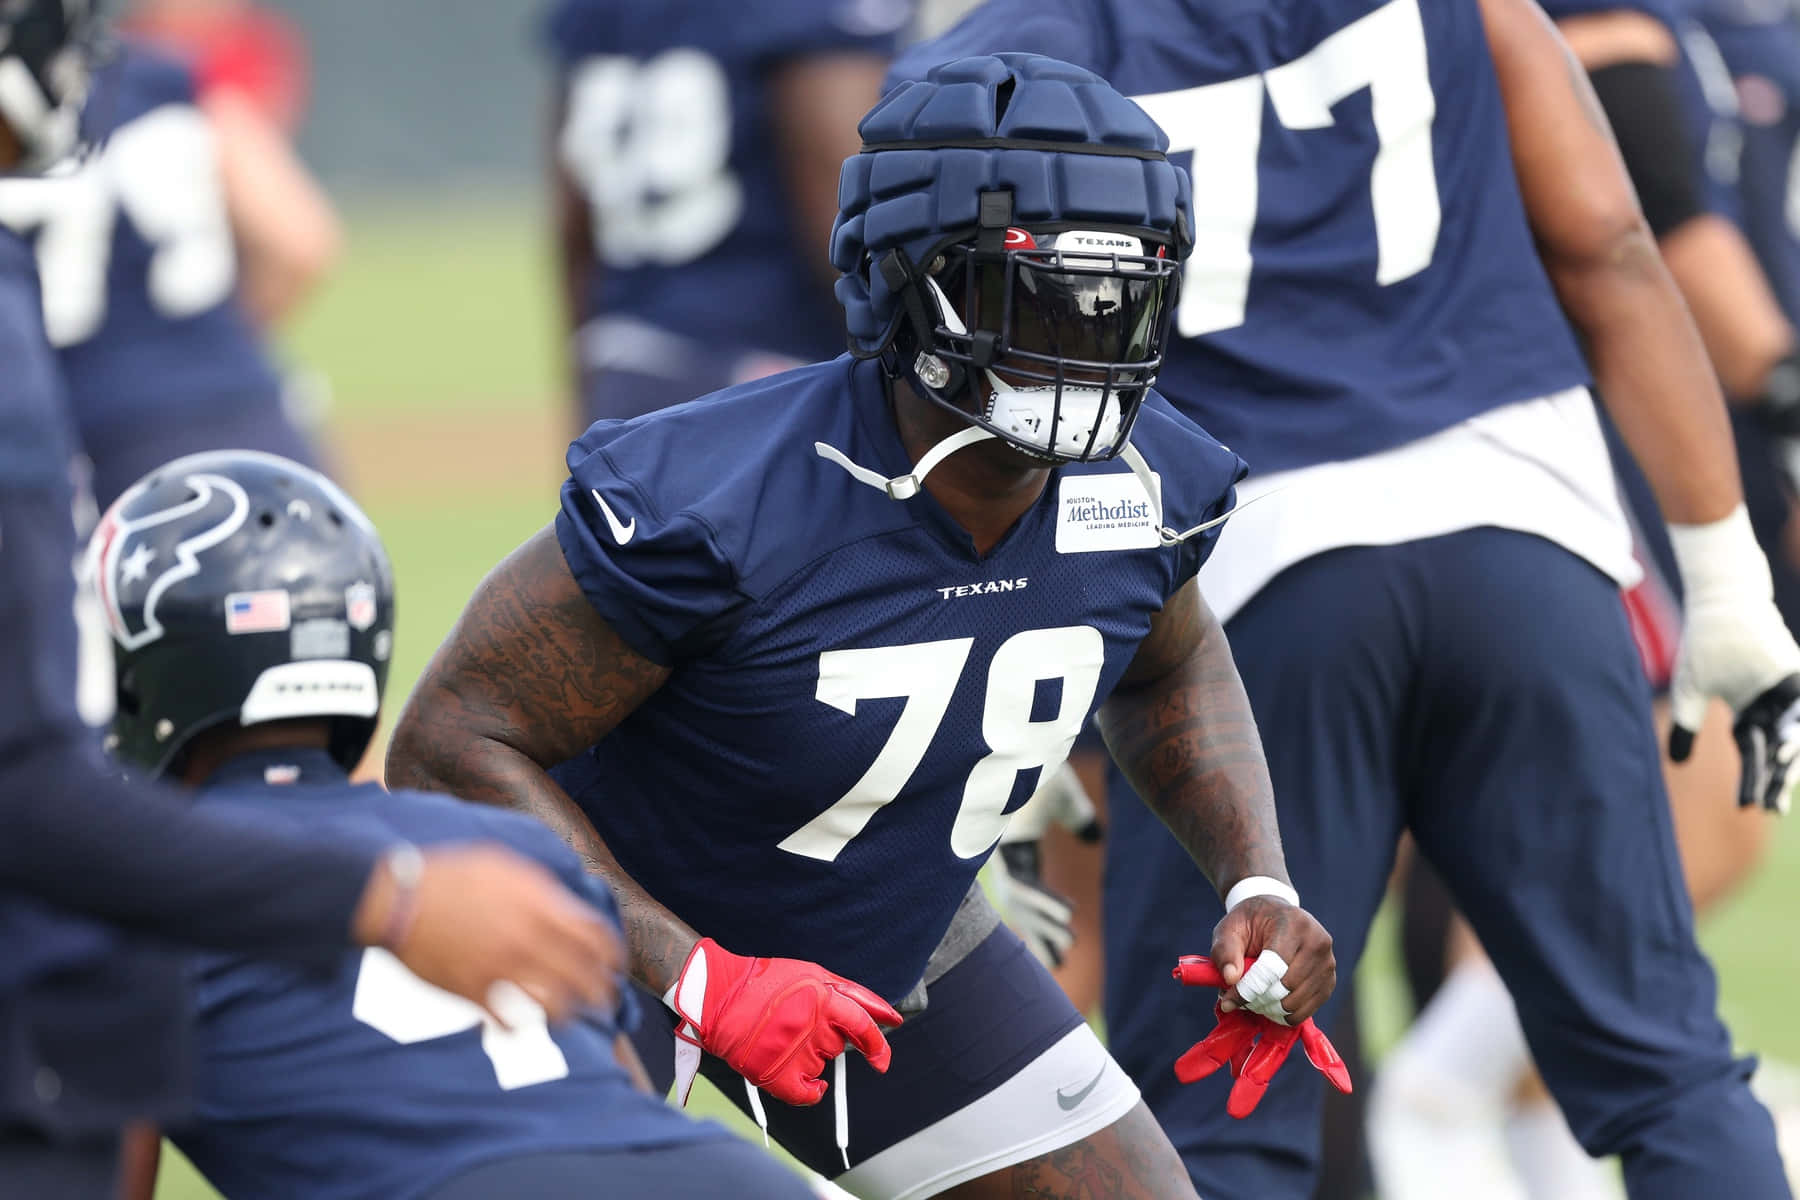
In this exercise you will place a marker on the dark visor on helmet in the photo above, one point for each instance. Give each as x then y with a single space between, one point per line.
1089 310
1048 307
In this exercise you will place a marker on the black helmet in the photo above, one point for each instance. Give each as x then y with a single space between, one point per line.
46 55
242 587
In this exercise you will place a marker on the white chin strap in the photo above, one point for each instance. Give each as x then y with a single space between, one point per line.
905 487
1034 417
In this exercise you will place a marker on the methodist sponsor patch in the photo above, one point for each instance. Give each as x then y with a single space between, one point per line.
1104 512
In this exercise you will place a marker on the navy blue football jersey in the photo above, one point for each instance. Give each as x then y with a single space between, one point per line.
35 442
1759 48
37 659
37 656
135 252
370 1083
858 698
1362 274
1669 12
669 131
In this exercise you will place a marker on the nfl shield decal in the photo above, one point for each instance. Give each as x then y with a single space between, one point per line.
359 605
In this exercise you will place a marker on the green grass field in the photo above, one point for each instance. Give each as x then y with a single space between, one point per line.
438 339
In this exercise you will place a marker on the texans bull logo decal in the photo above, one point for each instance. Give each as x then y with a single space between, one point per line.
125 564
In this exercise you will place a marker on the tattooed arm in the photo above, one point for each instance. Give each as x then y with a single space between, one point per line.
1179 726
1648 360
530 677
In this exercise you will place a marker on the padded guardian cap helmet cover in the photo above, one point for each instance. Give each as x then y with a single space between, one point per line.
1010 240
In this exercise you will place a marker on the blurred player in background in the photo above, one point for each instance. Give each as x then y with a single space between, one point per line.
1632 54
364 1081
251 82
91 1016
1758 47
153 252
694 164
138 254
1750 52
1675 116
790 654
234 46
1426 605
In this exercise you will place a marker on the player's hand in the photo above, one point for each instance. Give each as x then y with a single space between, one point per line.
476 916
1276 958
1768 739
1734 645
775 1021
1253 1046
1038 913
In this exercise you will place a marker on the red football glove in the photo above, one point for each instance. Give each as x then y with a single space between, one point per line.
1253 1046
775 1021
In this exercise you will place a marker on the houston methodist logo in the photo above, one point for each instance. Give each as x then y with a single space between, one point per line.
1085 509
1105 512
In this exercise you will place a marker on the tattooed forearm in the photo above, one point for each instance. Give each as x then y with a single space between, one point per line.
531 677
1180 727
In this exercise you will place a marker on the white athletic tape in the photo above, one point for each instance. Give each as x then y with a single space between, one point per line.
1261 988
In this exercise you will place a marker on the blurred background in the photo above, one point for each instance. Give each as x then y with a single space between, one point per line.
431 358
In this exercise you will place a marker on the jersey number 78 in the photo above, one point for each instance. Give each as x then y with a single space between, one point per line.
926 674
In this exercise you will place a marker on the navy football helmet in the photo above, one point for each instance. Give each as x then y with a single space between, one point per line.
46 59
240 586
1010 240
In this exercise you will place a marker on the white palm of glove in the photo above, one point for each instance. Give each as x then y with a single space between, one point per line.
1736 649
1059 800
1043 919
1734 645
1040 916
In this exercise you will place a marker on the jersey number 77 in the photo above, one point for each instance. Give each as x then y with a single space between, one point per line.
1383 51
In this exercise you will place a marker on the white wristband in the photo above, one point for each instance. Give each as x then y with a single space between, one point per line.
1252 886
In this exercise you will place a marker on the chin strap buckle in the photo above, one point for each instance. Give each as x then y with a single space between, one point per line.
905 487
1152 484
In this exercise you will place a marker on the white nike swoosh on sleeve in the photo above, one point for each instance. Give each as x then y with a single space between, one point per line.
620 531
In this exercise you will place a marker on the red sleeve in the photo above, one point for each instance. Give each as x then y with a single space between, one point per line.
258 53
263 56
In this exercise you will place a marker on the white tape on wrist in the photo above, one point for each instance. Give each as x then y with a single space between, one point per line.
1722 558
1252 886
